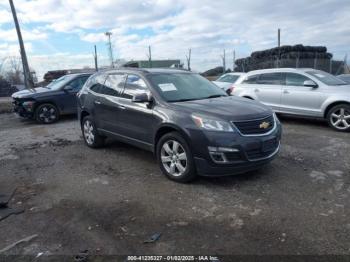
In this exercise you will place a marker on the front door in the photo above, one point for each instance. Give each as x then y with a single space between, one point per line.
299 99
69 98
137 119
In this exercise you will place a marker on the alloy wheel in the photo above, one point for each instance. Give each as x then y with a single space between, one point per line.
89 132
47 114
340 119
174 158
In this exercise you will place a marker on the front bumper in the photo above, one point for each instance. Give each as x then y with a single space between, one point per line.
21 110
249 152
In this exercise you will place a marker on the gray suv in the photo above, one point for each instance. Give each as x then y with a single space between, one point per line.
304 92
190 124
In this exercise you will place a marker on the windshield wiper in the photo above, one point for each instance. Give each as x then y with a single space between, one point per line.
214 96
182 100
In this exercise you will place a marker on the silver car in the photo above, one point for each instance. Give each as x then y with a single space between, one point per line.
226 81
304 92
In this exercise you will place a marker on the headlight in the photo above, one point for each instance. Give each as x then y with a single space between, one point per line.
28 104
211 124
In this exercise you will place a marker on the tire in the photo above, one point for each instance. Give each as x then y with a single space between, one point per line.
178 157
46 114
91 137
338 117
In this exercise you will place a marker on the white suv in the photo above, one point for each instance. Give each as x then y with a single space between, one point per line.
305 92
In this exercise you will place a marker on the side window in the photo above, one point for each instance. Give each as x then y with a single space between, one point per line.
114 84
78 83
134 85
251 79
96 88
293 79
270 79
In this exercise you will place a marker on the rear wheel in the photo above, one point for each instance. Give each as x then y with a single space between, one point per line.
90 134
46 114
175 158
339 117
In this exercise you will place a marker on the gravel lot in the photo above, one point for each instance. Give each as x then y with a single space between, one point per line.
109 201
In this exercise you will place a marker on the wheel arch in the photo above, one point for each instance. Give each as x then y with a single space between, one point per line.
331 105
83 114
39 103
168 128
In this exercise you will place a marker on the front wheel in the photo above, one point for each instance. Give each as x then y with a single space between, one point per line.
339 117
175 158
46 114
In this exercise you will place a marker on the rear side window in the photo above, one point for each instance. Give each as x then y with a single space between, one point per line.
134 85
114 84
253 79
270 79
293 79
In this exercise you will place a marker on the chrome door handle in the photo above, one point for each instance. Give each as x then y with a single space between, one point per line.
97 102
285 92
121 107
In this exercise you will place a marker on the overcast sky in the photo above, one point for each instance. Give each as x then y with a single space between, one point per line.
60 34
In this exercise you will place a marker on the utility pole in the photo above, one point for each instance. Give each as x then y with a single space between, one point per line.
149 57
188 58
28 78
108 34
95 59
224 62
279 46
234 61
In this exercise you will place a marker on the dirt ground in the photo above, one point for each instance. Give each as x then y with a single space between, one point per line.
109 201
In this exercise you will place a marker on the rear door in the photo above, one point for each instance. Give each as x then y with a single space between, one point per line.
299 99
137 119
107 107
268 89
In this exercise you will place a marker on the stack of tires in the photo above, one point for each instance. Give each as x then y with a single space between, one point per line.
297 56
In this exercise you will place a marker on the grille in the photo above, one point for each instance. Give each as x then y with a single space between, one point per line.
256 127
266 149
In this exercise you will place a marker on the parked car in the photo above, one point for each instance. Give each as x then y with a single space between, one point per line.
345 78
47 104
304 92
226 81
192 126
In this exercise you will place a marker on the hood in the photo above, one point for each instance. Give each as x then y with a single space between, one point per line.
228 108
26 93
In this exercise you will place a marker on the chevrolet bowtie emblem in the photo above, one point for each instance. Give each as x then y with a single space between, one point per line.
264 125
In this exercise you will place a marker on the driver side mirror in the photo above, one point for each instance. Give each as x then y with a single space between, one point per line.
141 98
310 83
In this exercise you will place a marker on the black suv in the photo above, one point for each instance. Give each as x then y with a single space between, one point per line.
191 125
46 104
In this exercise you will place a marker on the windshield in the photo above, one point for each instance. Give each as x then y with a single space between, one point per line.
228 78
58 83
326 78
184 87
345 78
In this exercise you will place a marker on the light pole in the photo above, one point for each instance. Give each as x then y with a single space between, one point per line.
108 34
28 79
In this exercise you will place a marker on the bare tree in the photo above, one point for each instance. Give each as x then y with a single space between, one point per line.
14 72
